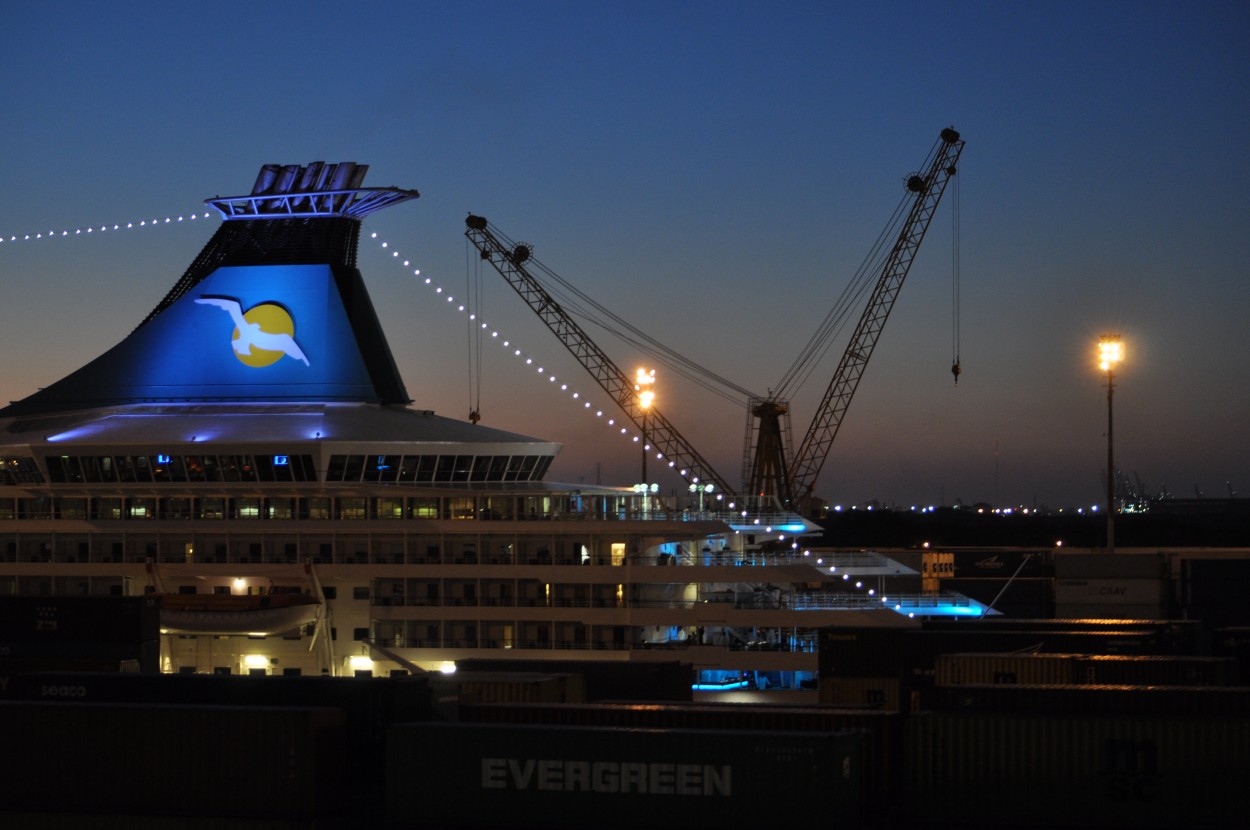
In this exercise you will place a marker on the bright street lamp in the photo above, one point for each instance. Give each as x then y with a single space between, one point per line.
644 380
1110 353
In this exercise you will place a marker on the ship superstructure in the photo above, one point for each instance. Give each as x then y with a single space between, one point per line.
252 438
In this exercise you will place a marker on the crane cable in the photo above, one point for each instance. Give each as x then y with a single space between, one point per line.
580 305
956 369
850 300
861 282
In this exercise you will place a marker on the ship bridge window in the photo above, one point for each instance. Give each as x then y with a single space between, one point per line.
98 468
211 508
389 508
280 508
106 508
352 508
273 467
211 467
347 468
318 507
496 507
36 508
460 508
19 470
425 508
407 468
444 467
141 508
176 508
498 468
195 468
63 469
160 464
481 468
382 468
229 465
354 467
427 465
247 508
131 469
515 465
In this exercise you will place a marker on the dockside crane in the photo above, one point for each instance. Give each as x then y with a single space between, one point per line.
793 481
772 473
509 259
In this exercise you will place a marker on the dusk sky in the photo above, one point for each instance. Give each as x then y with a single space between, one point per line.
712 172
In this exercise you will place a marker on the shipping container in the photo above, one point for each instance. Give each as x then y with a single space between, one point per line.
1110 566
1215 590
990 668
1084 669
567 778
192 761
1004 563
506 687
875 692
54 619
1114 592
1146 701
879 727
1155 670
369 704
882 652
1234 643
1178 631
1031 770
764 717
87 821
1111 612
669 681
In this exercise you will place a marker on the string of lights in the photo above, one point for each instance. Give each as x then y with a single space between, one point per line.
507 344
92 229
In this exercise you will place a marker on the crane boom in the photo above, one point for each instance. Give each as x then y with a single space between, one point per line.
510 261
928 188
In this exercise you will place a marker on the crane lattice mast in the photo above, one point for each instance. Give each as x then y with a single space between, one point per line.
928 188
509 261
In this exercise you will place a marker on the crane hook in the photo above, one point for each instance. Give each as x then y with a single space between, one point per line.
955 370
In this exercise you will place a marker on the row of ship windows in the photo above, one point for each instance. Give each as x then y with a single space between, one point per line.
161 468
417 469
312 507
204 548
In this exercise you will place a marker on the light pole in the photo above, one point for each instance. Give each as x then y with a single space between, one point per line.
644 380
701 489
1110 352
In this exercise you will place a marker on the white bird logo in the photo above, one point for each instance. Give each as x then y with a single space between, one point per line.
250 333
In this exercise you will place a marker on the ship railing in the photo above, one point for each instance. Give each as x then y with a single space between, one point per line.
805 644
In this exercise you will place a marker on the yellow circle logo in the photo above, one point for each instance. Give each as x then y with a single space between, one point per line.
264 319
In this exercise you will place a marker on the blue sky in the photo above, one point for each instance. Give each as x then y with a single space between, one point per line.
712 172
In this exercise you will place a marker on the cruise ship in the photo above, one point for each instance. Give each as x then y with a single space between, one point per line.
249 454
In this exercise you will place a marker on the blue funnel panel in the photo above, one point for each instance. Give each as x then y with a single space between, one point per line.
297 343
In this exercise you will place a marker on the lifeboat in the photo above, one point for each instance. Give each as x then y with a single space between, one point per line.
225 614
